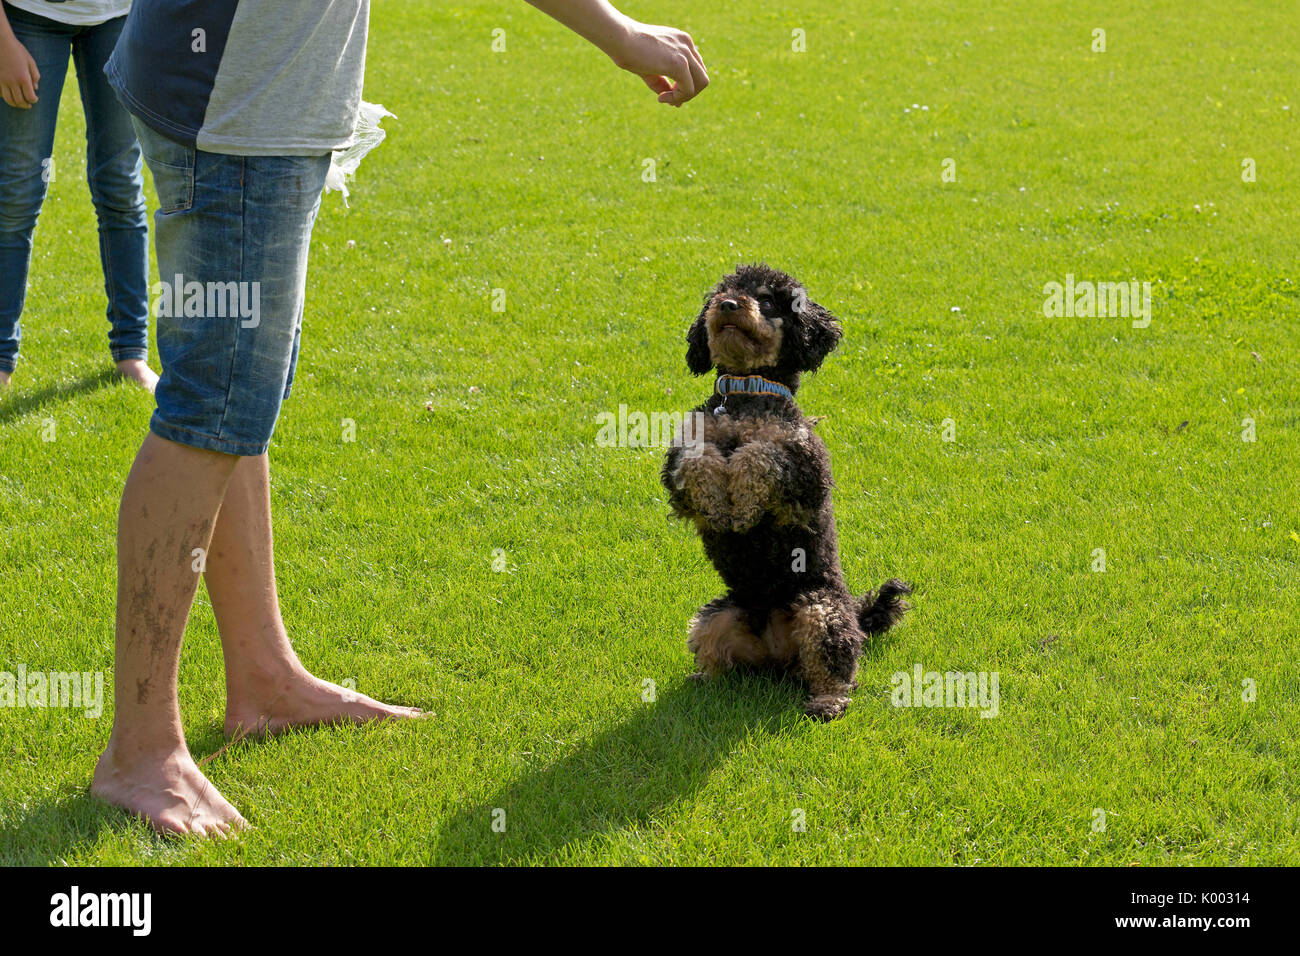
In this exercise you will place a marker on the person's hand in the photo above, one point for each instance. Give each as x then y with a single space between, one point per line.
18 74
665 58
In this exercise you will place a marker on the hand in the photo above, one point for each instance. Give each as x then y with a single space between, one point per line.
18 73
666 59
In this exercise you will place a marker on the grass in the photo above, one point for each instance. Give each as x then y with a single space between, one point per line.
475 431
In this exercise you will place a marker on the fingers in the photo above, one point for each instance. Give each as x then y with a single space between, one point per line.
685 88
690 74
659 84
15 96
21 93
668 62
698 71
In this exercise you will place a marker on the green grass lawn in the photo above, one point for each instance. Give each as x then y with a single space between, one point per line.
1120 691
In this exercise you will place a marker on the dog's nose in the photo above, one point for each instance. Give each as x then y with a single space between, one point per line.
729 305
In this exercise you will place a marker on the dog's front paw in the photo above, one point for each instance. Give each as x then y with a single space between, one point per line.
753 475
703 483
826 706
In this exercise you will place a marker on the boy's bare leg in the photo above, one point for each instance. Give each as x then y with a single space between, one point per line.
267 688
169 506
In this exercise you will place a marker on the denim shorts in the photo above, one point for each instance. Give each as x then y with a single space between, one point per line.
232 235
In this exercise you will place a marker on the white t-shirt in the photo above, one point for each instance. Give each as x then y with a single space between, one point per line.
82 13
279 77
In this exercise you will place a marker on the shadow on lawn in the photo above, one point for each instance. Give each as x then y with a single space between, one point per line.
17 405
625 776
52 831
49 833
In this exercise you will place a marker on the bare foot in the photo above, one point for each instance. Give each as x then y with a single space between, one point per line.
168 791
268 706
138 371
4 379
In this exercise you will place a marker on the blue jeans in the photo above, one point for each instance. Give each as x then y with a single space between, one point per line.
113 170
231 235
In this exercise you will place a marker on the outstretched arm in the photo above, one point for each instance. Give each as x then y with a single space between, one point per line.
665 58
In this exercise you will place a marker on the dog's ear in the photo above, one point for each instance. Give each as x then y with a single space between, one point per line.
698 359
816 333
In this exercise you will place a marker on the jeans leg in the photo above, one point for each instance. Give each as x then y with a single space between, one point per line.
26 168
302 307
114 171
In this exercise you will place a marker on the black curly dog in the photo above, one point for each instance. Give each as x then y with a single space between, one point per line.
748 470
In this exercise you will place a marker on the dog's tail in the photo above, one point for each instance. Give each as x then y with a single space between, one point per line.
879 612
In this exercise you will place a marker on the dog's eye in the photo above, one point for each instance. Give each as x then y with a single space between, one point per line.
765 303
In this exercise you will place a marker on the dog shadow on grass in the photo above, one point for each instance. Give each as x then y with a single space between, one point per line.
16 405
623 777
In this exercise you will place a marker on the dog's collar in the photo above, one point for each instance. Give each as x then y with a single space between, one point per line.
751 385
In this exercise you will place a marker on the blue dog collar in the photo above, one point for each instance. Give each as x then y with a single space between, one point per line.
750 384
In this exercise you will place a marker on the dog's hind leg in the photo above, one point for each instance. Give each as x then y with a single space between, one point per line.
720 638
825 631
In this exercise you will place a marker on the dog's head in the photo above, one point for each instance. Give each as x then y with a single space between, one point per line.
760 319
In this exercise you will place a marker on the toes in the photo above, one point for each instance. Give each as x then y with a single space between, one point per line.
169 825
202 828
220 829
230 830
387 712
